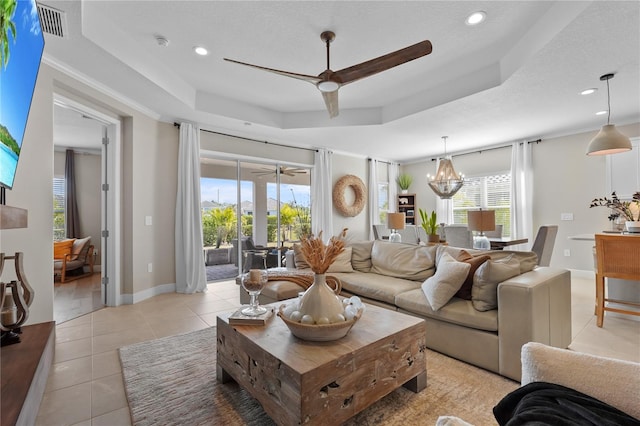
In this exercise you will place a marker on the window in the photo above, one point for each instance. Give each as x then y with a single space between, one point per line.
58 209
487 192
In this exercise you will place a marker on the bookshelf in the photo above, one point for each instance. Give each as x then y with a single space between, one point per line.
407 205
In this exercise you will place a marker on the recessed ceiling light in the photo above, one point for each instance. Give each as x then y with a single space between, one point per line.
200 50
588 91
475 18
601 112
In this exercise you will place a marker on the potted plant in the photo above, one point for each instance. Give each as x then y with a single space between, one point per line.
627 210
430 225
404 181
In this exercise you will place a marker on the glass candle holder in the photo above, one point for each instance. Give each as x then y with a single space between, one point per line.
253 283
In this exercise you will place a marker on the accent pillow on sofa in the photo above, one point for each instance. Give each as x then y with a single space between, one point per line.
342 262
62 248
449 276
484 293
475 262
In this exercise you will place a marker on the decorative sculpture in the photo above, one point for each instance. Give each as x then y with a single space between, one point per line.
14 304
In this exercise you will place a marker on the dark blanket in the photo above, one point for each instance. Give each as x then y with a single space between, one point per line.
541 403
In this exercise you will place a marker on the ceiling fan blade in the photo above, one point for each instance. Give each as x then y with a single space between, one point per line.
383 63
310 78
331 101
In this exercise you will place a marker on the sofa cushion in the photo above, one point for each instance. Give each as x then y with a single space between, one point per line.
342 263
361 255
527 260
399 260
62 248
300 261
449 276
374 286
484 293
474 262
457 311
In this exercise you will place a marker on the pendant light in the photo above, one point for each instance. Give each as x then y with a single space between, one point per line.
446 182
609 140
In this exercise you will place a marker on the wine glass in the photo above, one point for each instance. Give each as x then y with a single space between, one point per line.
253 283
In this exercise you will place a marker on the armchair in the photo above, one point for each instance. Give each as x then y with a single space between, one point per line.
71 256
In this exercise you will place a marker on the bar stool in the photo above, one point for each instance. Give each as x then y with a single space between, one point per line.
618 256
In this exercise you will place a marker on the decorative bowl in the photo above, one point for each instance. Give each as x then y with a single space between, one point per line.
319 332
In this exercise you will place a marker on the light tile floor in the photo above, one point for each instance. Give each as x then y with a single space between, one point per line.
85 384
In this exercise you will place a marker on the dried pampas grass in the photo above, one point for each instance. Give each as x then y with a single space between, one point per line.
319 255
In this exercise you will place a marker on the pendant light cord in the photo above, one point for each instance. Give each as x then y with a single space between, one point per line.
608 103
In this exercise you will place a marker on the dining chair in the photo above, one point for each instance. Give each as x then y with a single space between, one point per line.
497 233
458 236
381 231
544 242
617 256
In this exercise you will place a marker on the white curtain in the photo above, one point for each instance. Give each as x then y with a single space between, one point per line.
374 213
394 171
444 206
191 274
521 192
321 202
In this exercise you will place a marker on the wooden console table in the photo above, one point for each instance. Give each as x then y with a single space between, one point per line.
24 371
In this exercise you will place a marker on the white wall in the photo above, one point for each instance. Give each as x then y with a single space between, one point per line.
358 225
33 191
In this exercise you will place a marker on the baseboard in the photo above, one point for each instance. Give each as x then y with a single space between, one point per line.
130 299
580 273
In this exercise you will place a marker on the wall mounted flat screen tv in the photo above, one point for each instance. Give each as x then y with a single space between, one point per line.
21 47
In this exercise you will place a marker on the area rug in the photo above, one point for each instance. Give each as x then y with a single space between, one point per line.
172 381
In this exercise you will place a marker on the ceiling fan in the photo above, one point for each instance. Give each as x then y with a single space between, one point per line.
284 170
328 81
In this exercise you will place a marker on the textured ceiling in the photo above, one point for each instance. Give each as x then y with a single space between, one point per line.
517 76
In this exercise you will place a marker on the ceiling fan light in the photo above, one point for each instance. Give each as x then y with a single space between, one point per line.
328 86
609 141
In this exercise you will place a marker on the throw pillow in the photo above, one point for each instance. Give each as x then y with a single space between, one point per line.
342 262
449 276
301 262
475 262
484 292
62 248
79 246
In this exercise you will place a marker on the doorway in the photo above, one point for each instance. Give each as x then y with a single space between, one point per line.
94 138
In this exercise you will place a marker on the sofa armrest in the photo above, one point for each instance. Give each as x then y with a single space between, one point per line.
609 380
533 307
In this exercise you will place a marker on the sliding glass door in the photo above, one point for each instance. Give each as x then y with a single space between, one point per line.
254 211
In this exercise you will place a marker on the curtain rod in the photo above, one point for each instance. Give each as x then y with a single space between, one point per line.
480 151
250 139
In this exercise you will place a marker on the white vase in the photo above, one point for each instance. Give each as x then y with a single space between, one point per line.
404 191
632 226
320 301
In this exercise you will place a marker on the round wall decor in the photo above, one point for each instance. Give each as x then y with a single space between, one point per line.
359 190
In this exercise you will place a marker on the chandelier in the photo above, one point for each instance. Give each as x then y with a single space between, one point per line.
446 182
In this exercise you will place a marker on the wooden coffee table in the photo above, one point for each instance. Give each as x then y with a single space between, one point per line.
301 382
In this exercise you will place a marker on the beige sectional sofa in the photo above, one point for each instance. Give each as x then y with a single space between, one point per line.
532 306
